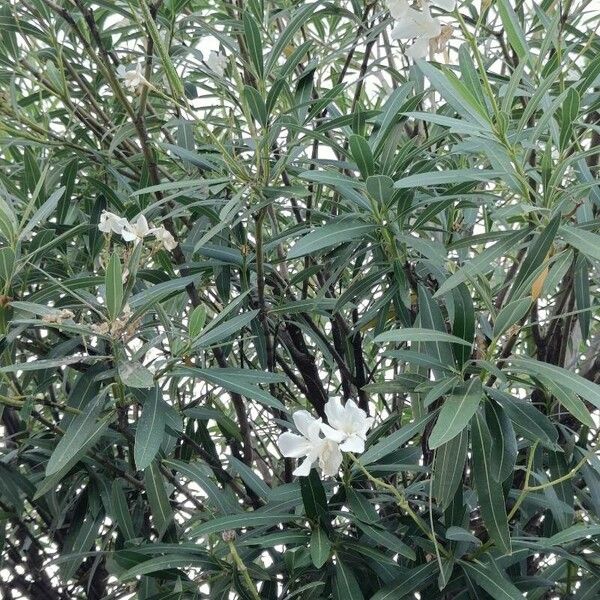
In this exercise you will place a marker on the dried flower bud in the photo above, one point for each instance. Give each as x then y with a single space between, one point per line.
228 536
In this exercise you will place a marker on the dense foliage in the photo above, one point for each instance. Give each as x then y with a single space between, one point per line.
217 213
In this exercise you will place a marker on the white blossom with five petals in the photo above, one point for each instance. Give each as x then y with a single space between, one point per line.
165 237
427 31
136 230
324 443
348 425
311 446
133 79
111 223
420 26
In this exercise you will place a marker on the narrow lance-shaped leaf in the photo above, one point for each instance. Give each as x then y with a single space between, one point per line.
114 286
457 410
150 429
489 491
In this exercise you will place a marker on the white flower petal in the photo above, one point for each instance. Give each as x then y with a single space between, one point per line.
397 8
330 459
353 444
333 434
448 5
334 410
303 469
292 445
418 49
303 421
416 25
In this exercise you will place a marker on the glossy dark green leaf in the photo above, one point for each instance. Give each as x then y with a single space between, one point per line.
320 547
150 429
448 468
489 491
457 410
362 155
345 585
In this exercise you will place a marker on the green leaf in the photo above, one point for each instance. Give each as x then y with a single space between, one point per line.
503 454
569 400
362 155
240 521
361 508
114 286
330 235
224 501
150 430
585 241
381 188
233 381
7 264
574 533
409 334
395 440
158 498
413 580
197 320
158 292
569 113
314 498
254 42
536 255
320 547
42 214
256 104
8 221
83 427
444 177
482 263
299 18
457 410
121 509
527 420
456 94
135 375
448 468
214 334
489 491
384 538
165 562
586 389
511 314
492 580
458 534
345 586
581 286
463 323
513 29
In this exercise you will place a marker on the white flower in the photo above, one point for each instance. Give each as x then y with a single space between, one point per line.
136 230
310 445
420 25
448 5
216 63
132 79
111 223
348 425
397 8
164 236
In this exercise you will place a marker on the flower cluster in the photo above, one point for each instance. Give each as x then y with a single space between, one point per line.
135 230
427 31
346 431
133 79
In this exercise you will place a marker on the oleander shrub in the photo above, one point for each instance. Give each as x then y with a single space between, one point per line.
299 300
